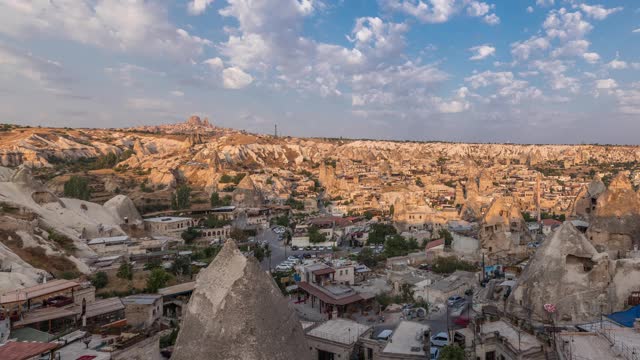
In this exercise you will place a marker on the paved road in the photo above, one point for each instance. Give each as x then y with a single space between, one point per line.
278 251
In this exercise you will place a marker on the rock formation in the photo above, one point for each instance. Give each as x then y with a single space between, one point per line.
566 271
503 231
615 222
121 207
587 199
247 195
238 313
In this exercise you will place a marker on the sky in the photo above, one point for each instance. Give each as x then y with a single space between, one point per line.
522 71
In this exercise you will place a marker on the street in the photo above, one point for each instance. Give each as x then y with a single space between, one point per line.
278 251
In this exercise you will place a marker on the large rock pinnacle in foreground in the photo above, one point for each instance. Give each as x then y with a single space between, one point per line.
238 312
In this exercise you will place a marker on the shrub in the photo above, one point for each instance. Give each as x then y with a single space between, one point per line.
100 280
77 187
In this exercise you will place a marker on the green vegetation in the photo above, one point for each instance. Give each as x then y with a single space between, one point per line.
367 257
295 204
315 236
125 271
452 352
378 233
419 182
189 235
181 199
64 242
158 279
446 235
216 201
100 280
169 339
448 265
181 266
396 245
77 187
213 222
227 179
281 221
238 235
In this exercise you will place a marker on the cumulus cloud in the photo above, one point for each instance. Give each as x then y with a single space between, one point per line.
197 7
545 3
44 74
591 57
617 65
482 52
214 63
138 26
636 30
235 78
598 12
491 19
477 8
177 93
523 49
530 9
572 48
605 84
566 25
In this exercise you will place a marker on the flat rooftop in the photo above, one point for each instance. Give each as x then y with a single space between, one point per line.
525 342
167 219
49 288
141 299
339 330
405 339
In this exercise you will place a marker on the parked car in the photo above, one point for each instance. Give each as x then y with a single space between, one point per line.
435 353
59 301
455 300
283 267
315 248
440 339
320 248
306 255
294 248
291 257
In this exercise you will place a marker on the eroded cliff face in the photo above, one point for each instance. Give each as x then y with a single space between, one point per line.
503 231
615 222
238 313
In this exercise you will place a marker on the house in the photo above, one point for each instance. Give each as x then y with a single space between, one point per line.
408 340
142 310
110 245
18 350
168 225
334 339
549 225
334 300
500 340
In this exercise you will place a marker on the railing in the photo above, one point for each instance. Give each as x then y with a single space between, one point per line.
628 352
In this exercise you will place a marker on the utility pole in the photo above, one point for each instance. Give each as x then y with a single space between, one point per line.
275 133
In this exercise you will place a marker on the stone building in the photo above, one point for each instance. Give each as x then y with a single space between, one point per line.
247 195
142 310
168 225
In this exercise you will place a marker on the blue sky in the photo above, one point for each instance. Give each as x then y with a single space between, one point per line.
528 71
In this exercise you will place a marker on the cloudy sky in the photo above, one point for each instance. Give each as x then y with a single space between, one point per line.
551 71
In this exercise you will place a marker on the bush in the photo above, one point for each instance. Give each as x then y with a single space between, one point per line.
158 279
448 265
181 199
77 187
100 280
189 235
452 352
217 201
125 271
315 236
378 233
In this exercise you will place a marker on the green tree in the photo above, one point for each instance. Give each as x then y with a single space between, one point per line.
213 222
412 244
238 235
258 253
446 235
158 279
452 352
396 245
267 253
379 232
367 257
189 235
217 201
181 199
100 280
391 210
153 264
225 179
181 266
77 187
125 271
419 182
315 236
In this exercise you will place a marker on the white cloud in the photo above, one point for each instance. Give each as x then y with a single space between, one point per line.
598 12
491 19
177 93
566 25
482 52
428 11
477 8
604 84
197 7
591 57
555 73
235 78
123 25
617 65
636 30
530 9
572 48
545 3
506 87
523 49
629 100
214 63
